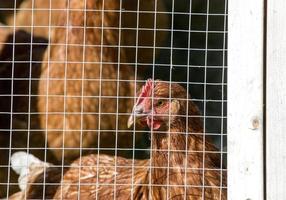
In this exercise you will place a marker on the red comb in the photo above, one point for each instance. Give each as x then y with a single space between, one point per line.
146 90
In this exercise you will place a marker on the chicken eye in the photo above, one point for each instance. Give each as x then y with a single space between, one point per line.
160 102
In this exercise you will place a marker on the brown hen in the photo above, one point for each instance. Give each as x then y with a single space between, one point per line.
83 82
183 164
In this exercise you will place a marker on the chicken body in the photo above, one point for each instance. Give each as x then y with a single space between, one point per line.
105 177
83 87
183 165
179 175
82 79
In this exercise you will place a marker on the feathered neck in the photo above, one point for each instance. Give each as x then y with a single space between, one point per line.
180 133
174 147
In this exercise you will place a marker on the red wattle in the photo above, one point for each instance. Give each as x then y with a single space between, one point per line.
155 124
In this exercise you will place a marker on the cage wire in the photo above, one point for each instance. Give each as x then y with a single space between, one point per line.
70 74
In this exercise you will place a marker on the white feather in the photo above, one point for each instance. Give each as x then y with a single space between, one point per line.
23 164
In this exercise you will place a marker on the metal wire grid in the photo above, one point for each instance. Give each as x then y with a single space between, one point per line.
200 66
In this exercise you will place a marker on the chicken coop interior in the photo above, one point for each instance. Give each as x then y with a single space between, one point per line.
113 99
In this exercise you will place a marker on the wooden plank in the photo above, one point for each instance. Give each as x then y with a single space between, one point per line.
276 100
245 100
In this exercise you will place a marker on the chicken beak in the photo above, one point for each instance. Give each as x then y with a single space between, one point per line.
130 120
137 114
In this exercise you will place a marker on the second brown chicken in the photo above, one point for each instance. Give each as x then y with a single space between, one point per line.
87 82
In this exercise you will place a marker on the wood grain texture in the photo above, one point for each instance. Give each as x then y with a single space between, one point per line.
276 100
245 100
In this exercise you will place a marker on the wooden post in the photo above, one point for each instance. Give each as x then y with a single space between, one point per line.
276 100
245 100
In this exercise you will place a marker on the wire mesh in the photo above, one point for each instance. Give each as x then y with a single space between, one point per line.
71 72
